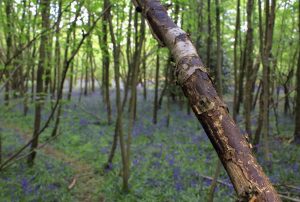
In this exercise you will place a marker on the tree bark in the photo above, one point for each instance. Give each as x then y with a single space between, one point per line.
86 80
248 54
48 52
235 59
128 57
144 74
209 41
57 68
119 125
9 27
0 146
105 63
234 151
71 81
261 109
286 87
219 50
297 110
266 55
155 103
219 88
45 12
66 64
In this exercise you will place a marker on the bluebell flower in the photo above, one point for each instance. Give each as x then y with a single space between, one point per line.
152 182
296 167
193 182
208 158
156 164
101 133
178 186
176 173
25 185
206 182
52 186
157 154
49 166
83 122
171 161
104 150
135 162
36 188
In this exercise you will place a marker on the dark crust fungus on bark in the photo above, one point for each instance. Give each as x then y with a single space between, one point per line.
250 182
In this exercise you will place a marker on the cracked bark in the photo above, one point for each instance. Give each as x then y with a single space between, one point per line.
248 178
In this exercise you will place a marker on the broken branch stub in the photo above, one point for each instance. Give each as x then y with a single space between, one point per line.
248 178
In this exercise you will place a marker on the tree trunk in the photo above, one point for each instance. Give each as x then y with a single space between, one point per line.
199 25
119 124
235 59
209 41
256 96
72 67
261 108
9 47
144 74
66 63
155 105
241 82
71 81
45 12
270 21
86 80
219 51
247 176
0 146
57 68
248 54
219 88
164 90
129 56
105 63
297 110
286 87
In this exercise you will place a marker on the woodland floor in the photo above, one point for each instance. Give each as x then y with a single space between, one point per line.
168 163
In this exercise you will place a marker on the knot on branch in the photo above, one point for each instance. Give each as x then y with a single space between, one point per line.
203 105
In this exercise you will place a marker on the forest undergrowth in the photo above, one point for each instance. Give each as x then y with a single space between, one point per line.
172 163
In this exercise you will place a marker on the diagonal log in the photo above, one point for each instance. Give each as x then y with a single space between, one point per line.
247 176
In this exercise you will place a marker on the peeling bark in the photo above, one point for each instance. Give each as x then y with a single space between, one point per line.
248 178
